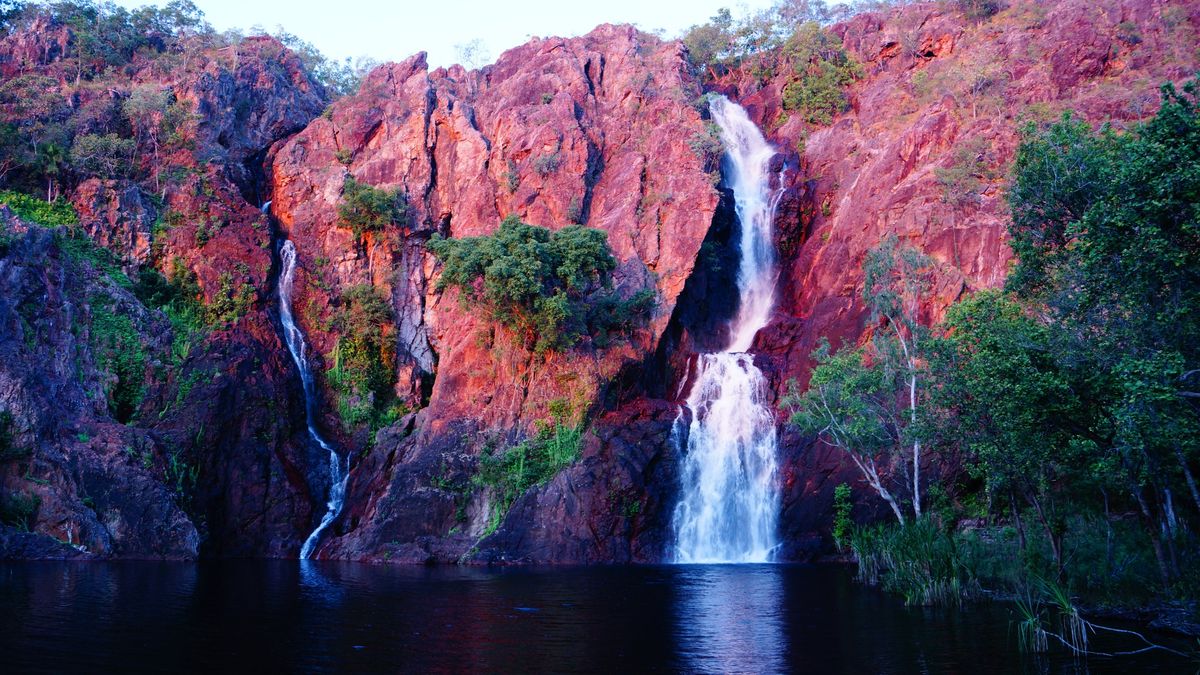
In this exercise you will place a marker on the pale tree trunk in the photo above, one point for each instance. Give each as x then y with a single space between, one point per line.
1187 475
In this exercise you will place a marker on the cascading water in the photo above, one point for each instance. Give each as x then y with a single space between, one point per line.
339 467
730 496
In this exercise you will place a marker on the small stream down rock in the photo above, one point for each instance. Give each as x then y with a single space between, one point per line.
729 502
339 467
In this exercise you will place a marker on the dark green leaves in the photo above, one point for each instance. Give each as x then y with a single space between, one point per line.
552 287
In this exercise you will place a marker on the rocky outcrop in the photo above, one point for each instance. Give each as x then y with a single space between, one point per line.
80 476
213 458
593 130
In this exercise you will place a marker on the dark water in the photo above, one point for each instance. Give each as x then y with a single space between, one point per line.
289 617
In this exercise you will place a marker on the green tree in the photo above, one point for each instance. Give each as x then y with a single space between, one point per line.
551 287
369 209
1107 234
105 156
865 401
823 69
1008 408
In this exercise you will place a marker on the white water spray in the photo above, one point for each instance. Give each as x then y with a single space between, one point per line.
730 502
339 467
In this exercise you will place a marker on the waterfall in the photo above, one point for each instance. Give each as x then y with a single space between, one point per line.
729 505
339 467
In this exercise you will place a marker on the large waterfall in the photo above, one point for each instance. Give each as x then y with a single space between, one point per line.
339 467
729 504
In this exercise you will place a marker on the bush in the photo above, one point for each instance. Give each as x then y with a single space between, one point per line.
41 212
180 299
823 69
364 357
841 516
119 351
230 302
510 473
552 288
369 209
547 164
20 511
918 560
105 156
977 10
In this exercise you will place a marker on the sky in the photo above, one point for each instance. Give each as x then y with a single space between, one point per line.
392 31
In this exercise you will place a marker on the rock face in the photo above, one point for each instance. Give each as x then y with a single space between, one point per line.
597 130
607 130
212 458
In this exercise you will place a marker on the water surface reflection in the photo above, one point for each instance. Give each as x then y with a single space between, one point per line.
730 618
280 616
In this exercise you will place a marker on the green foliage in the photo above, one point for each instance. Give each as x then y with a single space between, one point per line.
8 442
510 473
119 351
19 510
841 515
104 156
369 209
180 300
547 164
80 249
708 147
340 78
751 40
231 301
977 10
963 179
181 477
34 210
823 69
550 287
364 357
918 560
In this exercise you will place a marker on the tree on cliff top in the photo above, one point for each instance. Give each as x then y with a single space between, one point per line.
551 287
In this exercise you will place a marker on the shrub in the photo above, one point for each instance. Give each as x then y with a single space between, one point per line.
119 351
962 180
977 10
369 209
512 177
823 69
841 516
180 299
41 212
20 510
550 287
547 164
230 302
918 560
510 473
105 156
363 358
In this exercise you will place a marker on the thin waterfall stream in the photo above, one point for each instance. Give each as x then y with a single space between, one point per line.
729 505
339 466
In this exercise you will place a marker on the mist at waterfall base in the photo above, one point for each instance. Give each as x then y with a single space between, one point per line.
317 616
729 496
339 466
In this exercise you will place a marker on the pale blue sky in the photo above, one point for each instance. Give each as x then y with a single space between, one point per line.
390 31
